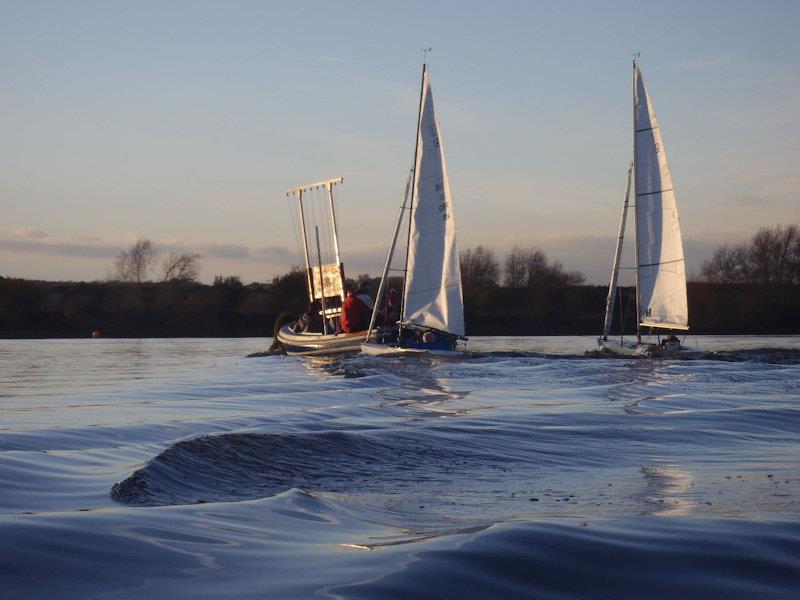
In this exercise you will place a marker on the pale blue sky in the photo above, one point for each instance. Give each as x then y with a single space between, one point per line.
184 122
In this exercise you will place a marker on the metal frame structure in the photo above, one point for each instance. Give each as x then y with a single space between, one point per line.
298 192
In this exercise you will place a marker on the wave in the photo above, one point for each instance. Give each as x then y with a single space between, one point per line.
243 466
297 545
342 365
630 558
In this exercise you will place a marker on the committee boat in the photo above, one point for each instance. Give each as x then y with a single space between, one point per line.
661 304
319 332
431 310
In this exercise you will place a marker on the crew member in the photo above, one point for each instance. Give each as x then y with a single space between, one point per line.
355 313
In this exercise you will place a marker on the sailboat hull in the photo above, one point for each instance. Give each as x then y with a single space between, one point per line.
317 344
634 349
620 348
374 349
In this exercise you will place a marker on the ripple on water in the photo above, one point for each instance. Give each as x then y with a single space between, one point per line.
498 473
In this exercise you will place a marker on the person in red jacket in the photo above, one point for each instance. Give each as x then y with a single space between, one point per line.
355 313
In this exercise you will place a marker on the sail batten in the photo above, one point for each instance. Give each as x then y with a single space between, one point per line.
660 260
660 325
433 295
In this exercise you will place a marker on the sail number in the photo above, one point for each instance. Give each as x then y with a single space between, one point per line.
439 188
434 135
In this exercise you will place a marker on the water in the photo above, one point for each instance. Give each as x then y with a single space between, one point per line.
526 468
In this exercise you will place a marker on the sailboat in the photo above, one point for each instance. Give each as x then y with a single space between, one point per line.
661 305
431 315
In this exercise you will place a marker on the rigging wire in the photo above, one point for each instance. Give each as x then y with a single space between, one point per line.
627 309
295 218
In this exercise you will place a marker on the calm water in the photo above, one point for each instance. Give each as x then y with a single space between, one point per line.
526 468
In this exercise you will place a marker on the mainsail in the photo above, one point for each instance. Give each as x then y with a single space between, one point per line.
433 296
661 270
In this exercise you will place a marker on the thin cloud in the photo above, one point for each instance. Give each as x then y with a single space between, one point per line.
332 59
275 253
40 242
27 234
223 250
58 248
323 58
698 64
751 200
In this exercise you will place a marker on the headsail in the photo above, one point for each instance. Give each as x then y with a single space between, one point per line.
661 269
433 296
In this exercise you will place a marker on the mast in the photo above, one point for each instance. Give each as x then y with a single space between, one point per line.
321 286
329 184
305 245
382 284
612 286
636 204
413 192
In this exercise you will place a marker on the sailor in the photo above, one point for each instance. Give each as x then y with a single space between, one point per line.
671 342
311 320
355 312
361 293
392 310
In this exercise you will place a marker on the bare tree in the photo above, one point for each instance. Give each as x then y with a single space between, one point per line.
524 267
182 267
528 267
515 269
132 265
730 264
479 267
771 258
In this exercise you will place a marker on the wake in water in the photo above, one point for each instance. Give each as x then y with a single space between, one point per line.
568 435
246 466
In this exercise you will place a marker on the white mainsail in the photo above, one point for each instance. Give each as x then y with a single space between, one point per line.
433 296
661 269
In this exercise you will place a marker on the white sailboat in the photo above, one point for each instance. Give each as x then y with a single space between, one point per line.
431 315
661 305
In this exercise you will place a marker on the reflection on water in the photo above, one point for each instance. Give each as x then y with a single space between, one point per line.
667 490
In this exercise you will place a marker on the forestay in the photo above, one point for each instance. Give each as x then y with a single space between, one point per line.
433 296
662 274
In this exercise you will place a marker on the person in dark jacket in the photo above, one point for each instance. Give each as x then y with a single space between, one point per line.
391 311
311 320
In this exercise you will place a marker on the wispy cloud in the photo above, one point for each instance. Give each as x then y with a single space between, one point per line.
333 59
751 200
27 234
275 254
698 64
40 242
323 58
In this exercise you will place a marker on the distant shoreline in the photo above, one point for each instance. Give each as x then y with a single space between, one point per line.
229 309
269 337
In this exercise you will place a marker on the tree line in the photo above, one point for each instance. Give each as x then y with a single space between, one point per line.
525 293
770 257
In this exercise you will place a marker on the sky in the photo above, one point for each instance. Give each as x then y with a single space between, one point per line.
185 122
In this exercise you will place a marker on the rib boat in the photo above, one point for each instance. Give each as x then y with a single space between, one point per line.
325 280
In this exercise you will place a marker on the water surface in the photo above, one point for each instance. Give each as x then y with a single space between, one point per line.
524 468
